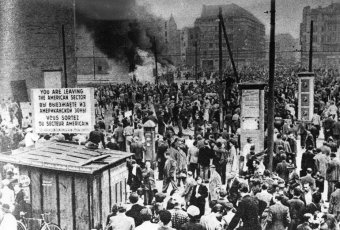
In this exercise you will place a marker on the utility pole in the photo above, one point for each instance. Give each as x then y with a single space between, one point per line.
64 54
271 102
228 46
311 46
156 58
196 61
94 63
220 54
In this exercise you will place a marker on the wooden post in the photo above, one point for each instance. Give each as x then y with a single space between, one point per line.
94 64
64 54
271 102
311 47
196 76
156 59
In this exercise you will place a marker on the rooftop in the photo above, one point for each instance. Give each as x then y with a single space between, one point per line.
66 157
229 10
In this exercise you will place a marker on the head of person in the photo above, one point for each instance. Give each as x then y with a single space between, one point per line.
306 187
96 127
133 198
146 214
297 192
316 197
114 209
256 164
212 168
283 157
193 212
309 171
333 155
243 188
165 217
167 155
249 140
147 164
279 136
199 180
218 210
190 174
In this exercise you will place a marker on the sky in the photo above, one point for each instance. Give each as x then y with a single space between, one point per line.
288 12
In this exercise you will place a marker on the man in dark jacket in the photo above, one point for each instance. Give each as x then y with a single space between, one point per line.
296 209
135 209
282 169
307 161
249 210
328 126
336 132
205 155
199 195
169 173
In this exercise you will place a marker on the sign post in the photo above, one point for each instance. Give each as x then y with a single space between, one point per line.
63 110
306 96
252 114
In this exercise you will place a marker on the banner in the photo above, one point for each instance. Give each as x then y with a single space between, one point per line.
63 110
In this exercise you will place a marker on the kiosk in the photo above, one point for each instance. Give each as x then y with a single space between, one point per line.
252 114
149 133
76 185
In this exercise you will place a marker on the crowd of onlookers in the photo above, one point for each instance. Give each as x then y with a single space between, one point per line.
215 182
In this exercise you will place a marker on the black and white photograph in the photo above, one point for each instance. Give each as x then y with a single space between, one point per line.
169 114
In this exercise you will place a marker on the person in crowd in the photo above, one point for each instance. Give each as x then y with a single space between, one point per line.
278 215
149 184
220 160
328 126
128 135
178 216
192 159
321 162
165 220
146 215
134 211
333 173
112 144
308 179
137 147
188 188
334 202
199 195
169 173
8 221
215 183
306 222
264 195
249 210
121 221
135 177
114 211
296 209
282 169
307 161
95 137
315 206
205 156
212 221
194 216
162 147
31 138
308 194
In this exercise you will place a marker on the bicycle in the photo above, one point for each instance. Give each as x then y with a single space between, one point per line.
22 224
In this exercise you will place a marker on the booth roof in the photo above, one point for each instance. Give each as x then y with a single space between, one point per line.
66 157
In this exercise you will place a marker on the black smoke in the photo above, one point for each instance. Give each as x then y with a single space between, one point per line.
118 28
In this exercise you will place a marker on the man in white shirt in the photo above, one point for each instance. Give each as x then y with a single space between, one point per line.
8 220
308 193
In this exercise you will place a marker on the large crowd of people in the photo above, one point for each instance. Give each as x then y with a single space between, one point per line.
208 180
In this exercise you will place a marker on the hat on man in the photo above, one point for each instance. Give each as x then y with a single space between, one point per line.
193 210
159 197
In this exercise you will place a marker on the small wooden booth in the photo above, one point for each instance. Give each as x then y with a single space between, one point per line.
76 185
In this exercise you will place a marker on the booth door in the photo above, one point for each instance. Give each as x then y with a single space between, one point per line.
52 79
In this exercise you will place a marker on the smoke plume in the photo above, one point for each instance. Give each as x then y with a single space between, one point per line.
119 27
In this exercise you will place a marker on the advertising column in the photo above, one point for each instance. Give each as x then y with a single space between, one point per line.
252 114
306 96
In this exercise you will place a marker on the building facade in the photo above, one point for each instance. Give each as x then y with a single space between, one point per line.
246 35
326 35
172 40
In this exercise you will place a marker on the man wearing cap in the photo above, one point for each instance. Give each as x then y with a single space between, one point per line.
193 224
205 156
333 173
215 183
135 209
169 173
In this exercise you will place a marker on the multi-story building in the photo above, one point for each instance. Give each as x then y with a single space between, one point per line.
171 36
245 32
326 35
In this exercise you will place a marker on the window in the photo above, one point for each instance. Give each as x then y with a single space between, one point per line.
100 68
